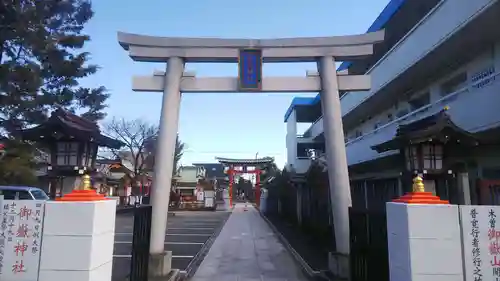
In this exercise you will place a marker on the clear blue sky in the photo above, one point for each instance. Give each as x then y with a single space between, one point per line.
227 125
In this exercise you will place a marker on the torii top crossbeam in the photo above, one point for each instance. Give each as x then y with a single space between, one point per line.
146 48
257 161
306 49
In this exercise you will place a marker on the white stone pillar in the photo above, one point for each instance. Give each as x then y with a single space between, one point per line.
291 138
77 241
420 252
340 192
164 160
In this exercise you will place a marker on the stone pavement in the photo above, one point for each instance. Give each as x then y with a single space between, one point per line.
247 250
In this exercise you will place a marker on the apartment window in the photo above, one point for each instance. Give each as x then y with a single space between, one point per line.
390 117
358 134
67 153
420 101
454 84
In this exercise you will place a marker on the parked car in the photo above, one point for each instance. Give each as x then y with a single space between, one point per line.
23 193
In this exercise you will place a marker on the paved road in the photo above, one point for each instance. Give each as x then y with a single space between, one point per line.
186 234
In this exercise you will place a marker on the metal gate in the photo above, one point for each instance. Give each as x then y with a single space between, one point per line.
140 243
369 250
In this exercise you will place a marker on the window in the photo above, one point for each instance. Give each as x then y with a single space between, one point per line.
412 162
454 84
67 153
8 194
87 154
186 192
390 117
24 195
39 194
433 156
84 155
420 101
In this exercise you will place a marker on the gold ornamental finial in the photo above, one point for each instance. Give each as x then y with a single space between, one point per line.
418 184
86 183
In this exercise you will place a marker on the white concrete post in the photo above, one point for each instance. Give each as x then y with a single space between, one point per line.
291 138
164 157
340 192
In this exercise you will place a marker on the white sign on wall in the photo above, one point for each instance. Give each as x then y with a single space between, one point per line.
200 195
209 202
20 239
481 242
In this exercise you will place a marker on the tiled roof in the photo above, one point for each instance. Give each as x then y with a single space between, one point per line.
65 122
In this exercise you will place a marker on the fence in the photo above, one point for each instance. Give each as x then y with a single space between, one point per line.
140 243
369 251
313 207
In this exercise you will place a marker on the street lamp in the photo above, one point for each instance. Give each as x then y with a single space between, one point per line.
424 156
73 154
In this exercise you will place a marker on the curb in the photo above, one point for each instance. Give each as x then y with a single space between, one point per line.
306 268
200 256
174 275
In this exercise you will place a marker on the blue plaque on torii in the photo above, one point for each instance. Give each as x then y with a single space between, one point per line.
250 70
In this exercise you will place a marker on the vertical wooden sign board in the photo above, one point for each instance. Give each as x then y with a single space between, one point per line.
250 70
481 242
21 239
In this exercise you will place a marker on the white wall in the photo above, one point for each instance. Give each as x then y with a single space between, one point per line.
475 108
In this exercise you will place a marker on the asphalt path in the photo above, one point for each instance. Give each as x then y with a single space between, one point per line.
187 232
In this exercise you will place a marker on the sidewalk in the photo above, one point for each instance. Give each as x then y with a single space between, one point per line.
247 250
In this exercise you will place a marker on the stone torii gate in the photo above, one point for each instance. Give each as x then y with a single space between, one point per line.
250 54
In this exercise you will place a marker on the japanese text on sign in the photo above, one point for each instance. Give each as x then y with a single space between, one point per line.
481 242
20 239
250 69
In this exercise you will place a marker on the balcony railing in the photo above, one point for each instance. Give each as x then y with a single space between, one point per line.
471 108
314 127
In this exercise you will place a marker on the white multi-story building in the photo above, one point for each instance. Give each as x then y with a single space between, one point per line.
434 106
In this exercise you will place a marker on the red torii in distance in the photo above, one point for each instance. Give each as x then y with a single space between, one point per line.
258 164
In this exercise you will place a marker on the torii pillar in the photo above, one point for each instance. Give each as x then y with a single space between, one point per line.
322 50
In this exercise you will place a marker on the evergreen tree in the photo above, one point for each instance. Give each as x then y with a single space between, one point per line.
41 61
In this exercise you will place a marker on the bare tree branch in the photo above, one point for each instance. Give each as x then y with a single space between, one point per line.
135 135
